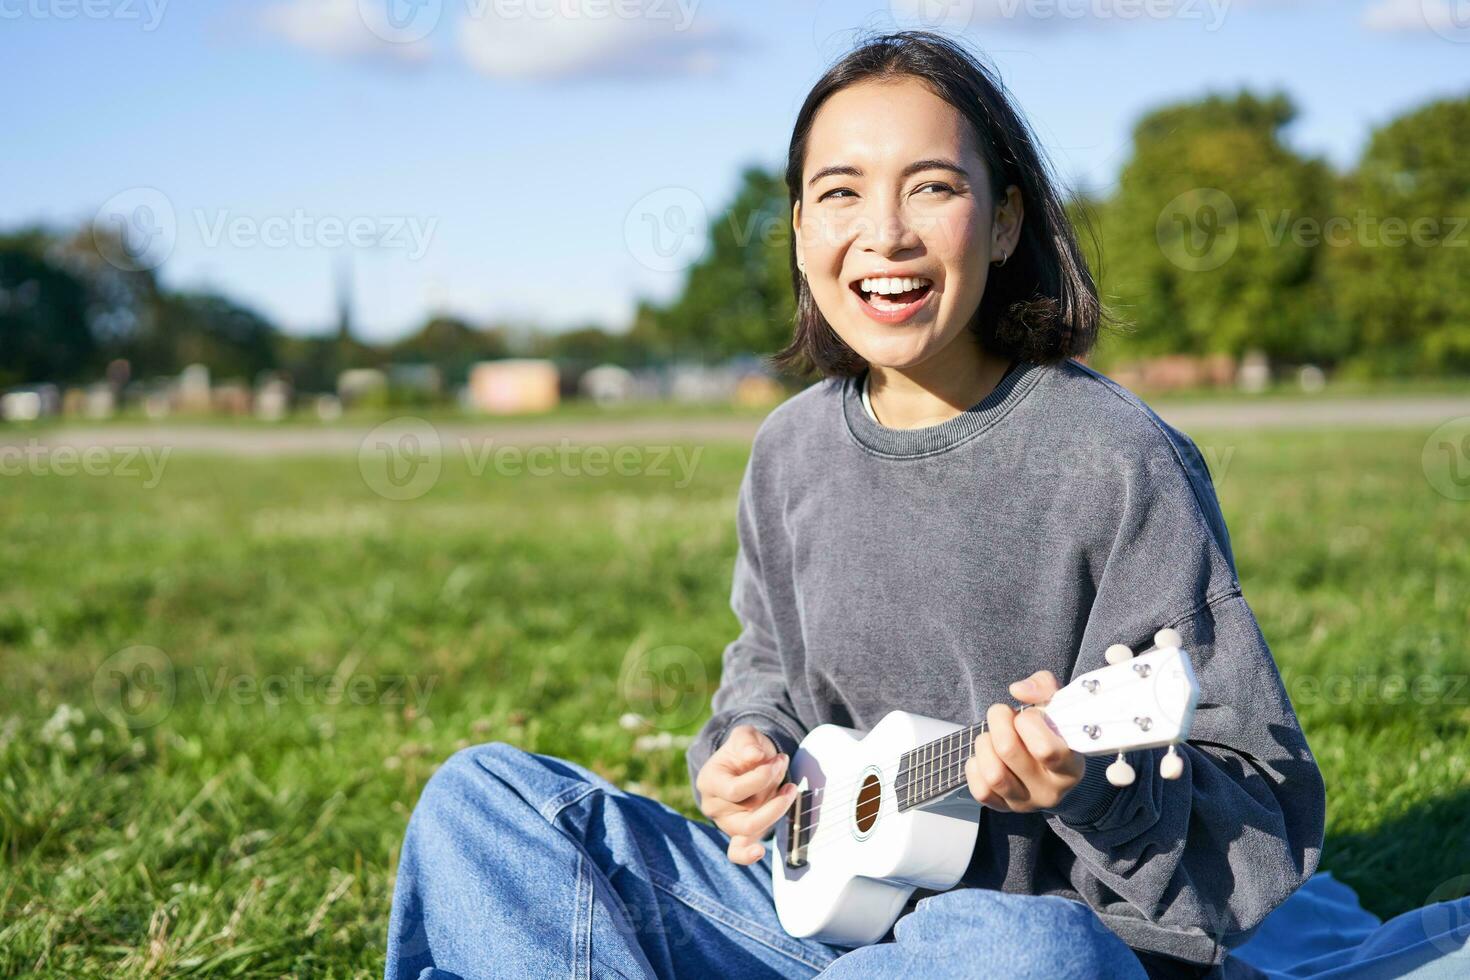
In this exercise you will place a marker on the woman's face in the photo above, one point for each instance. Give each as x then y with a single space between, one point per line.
893 186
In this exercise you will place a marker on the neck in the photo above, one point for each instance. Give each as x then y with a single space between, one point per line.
935 768
936 390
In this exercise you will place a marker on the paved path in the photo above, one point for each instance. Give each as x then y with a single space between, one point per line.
297 439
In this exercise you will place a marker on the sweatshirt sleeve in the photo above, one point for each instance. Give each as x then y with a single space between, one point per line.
752 689
1205 857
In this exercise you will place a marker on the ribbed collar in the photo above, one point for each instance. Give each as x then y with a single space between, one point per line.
930 439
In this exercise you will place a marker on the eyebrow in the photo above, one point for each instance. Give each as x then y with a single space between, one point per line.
848 170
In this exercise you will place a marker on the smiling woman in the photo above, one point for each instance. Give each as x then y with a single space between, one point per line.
940 563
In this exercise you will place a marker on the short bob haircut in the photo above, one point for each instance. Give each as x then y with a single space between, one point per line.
1042 304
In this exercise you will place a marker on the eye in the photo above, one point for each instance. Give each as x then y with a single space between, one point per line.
938 187
835 190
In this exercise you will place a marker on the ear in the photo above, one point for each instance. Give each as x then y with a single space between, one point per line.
1005 227
796 232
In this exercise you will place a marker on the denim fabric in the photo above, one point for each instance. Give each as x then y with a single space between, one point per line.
523 865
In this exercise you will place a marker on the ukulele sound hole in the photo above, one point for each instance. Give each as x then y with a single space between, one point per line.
869 797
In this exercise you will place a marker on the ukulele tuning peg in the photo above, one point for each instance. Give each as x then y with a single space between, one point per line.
1168 639
1117 653
1120 773
1171 766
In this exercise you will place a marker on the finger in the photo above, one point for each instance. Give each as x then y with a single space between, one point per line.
745 850
755 786
1045 744
980 787
755 823
1037 688
718 782
993 772
747 747
1000 721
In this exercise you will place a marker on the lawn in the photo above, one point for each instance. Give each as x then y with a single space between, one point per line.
223 693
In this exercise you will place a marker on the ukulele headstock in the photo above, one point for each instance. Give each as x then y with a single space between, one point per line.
1136 702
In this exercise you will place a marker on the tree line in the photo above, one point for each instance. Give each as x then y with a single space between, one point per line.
1218 238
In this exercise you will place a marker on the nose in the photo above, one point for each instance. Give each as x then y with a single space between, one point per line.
886 227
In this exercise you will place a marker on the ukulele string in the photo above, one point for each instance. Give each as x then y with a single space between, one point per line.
835 829
964 748
828 831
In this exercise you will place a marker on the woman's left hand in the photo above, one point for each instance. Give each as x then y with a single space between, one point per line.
1021 763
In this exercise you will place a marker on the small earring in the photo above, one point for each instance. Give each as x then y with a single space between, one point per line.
1002 262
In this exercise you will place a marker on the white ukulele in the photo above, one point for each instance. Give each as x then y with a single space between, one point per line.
881 814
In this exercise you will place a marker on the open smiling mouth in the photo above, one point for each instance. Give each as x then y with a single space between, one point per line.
892 300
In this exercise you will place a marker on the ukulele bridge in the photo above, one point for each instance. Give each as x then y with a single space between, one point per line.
798 830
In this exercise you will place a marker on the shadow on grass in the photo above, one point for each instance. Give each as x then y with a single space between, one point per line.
1419 857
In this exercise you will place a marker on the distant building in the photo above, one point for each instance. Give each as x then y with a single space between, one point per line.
1174 372
191 393
100 401
607 384
360 385
30 403
513 386
231 398
273 395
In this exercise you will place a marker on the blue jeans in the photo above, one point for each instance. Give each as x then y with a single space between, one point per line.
523 865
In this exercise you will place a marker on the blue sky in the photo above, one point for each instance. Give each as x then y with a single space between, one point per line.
512 158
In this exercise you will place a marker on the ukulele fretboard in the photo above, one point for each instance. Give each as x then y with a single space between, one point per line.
935 768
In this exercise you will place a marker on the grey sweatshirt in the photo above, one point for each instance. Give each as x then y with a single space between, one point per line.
926 569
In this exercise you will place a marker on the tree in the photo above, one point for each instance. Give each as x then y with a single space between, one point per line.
204 328
1203 239
1398 274
44 333
451 345
737 298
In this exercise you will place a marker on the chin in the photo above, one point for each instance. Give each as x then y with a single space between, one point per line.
898 350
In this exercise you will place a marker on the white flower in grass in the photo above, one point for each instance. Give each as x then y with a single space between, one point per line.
632 721
59 725
661 740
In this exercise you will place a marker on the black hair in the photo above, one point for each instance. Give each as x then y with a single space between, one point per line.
1042 303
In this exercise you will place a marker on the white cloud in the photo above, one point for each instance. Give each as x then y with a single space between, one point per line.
1415 16
541 39
338 28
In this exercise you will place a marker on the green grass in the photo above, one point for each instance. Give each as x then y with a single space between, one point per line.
241 816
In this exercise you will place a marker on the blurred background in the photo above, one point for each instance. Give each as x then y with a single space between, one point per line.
376 377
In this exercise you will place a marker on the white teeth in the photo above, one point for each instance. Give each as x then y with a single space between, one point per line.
892 285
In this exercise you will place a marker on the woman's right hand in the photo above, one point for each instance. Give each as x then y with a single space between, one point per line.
741 789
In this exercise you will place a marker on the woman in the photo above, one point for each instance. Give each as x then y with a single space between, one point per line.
957 506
